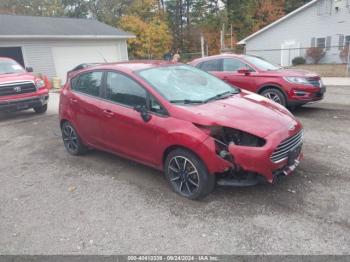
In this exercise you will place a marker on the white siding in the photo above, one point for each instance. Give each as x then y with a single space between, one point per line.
38 53
318 20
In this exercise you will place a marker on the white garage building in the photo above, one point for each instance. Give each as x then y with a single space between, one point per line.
53 45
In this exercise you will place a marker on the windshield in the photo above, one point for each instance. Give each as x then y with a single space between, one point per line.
186 84
10 67
261 64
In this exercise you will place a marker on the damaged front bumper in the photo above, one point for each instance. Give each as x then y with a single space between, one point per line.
245 165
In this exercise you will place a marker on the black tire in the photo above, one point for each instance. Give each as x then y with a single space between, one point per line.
187 175
72 140
40 109
275 95
294 107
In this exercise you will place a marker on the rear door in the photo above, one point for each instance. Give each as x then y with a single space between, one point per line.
85 105
212 66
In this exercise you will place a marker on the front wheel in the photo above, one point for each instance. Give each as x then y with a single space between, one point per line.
275 95
40 109
187 175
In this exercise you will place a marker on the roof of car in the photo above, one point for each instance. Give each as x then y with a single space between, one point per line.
132 65
5 59
217 57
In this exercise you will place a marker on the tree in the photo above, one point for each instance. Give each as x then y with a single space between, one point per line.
33 7
147 22
315 53
291 5
344 54
266 12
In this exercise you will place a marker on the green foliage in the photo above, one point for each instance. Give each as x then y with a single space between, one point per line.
291 5
299 60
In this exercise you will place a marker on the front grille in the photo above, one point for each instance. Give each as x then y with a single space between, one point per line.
314 82
17 88
285 146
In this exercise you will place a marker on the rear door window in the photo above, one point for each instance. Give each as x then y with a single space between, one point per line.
88 83
211 65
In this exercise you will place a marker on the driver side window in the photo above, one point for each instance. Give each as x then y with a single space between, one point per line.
233 65
123 90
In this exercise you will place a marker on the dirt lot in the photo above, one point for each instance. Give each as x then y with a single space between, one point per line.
52 203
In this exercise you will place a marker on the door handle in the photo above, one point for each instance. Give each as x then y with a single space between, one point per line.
74 100
108 112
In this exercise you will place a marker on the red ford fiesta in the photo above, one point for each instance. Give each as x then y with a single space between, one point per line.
196 128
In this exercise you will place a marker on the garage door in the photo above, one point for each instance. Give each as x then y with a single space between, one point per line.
68 57
12 52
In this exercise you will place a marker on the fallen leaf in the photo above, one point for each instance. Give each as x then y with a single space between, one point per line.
72 188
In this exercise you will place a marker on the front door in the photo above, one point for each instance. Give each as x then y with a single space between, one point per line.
124 131
230 74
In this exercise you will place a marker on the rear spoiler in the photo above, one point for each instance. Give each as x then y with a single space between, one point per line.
80 67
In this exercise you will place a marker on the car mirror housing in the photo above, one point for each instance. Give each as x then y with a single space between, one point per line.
244 70
142 109
29 69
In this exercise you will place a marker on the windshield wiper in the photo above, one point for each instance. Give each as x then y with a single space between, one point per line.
222 95
186 101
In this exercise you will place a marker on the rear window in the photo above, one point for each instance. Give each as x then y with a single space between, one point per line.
88 83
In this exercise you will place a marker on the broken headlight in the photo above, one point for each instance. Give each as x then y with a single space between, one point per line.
227 136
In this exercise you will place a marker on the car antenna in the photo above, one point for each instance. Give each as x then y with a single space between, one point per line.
102 57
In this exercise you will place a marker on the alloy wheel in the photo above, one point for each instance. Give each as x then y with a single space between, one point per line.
274 97
183 175
70 138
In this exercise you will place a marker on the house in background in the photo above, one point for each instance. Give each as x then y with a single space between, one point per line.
319 23
54 45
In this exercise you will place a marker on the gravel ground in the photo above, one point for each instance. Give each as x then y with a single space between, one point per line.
53 203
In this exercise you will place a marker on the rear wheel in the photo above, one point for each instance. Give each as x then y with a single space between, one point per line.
40 109
187 175
71 140
275 95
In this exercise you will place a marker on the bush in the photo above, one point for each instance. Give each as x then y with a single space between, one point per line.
344 54
299 60
316 54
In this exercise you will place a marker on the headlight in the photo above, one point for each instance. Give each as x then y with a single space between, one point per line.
297 80
39 83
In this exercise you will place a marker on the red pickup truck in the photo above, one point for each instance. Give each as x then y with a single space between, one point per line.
20 89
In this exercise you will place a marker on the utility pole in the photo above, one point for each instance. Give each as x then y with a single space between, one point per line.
231 38
222 38
202 45
348 65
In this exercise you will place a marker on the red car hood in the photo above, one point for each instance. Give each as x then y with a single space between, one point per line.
291 72
246 111
16 77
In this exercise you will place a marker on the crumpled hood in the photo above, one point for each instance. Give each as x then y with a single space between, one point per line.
246 111
4 78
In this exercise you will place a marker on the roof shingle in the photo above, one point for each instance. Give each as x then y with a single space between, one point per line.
18 25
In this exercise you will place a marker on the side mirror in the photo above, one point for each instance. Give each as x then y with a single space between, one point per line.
244 71
143 112
29 69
